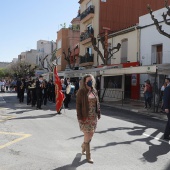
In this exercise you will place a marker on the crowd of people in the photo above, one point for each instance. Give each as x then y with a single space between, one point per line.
39 91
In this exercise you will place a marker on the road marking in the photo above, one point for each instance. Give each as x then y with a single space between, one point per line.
3 118
155 138
3 108
22 137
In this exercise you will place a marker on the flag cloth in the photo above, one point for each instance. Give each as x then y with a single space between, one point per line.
58 91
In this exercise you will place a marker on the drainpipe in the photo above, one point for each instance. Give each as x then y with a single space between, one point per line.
98 53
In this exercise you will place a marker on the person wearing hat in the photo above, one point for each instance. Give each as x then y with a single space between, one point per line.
148 93
166 106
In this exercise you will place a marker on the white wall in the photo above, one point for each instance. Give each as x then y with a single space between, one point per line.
133 47
149 37
44 48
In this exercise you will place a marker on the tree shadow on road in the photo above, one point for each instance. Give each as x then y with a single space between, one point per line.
37 117
75 137
154 150
118 128
75 164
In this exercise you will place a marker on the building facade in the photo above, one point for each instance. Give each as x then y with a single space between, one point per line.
154 47
62 46
28 56
115 15
74 42
127 56
44 51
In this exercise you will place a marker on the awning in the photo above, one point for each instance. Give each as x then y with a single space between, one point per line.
94 71
129 70
162 69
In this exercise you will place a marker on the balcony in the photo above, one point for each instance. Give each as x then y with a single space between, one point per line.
87 14
85 37
86 60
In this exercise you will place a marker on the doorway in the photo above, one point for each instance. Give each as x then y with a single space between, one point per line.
127 86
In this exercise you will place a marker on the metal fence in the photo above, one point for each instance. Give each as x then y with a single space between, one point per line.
112 93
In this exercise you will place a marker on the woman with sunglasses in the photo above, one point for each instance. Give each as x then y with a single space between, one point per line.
88 111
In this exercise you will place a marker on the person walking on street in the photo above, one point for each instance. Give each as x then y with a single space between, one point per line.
21 91
44 92
39 87
162 93
148 93
33 93
67 94
166 106
88 111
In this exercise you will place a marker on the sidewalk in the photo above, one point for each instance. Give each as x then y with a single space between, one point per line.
135 106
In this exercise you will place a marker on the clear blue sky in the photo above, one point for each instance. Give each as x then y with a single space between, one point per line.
24 22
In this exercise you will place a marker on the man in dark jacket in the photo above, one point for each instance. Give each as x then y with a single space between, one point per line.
166 99
39 87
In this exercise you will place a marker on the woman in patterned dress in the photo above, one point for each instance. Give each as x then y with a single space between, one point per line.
88 111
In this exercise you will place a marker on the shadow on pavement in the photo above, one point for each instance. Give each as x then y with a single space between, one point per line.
167 167
75 164
36 117
76 137
154 150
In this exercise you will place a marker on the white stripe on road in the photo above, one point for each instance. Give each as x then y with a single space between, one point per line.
158 139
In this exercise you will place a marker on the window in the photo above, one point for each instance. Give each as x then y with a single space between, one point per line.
124 51
59 44
156 57
113 82
88 4
37 60
90 29
89 50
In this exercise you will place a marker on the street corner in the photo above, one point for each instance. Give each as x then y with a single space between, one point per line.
10 138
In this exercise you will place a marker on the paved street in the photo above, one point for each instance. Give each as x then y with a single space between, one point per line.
41 140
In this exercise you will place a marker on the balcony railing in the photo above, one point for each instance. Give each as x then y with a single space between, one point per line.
89 10
85 59
86 35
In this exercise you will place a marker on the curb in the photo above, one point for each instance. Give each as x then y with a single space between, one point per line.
153 115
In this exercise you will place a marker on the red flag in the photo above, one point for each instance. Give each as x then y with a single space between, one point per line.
58 91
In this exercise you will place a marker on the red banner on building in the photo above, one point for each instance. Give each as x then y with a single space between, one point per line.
58 91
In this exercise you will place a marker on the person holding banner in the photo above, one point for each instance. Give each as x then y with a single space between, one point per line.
88 111
58 92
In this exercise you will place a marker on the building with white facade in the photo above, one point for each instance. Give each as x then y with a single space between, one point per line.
44 48
154 47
